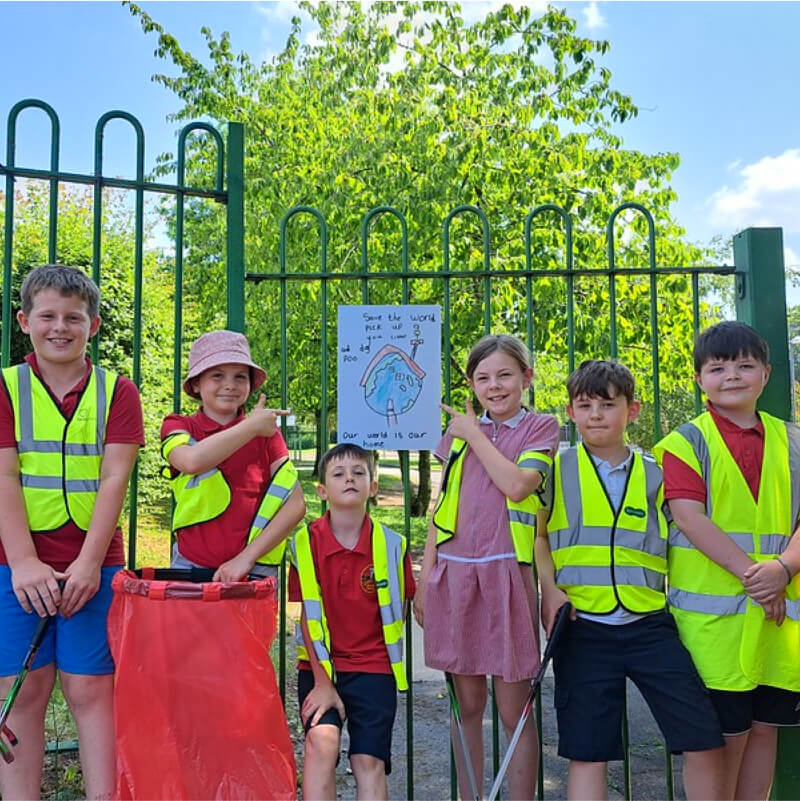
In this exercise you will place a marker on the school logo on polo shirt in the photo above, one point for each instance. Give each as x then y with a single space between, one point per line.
368 580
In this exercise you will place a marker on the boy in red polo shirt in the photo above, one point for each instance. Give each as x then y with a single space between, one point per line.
353 577
731 478
236 493
62 418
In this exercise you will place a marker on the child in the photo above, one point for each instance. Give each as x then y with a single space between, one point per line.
69 436
353 576
730 478
477 596
604 548
237 496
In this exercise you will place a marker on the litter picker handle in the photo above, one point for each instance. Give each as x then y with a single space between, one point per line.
562 619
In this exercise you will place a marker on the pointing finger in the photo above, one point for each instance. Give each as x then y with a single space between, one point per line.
282 412
449 409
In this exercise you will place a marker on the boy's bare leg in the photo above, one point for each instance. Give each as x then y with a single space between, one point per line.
319 763
370 773
22 779
524 765
733 752
472 693
703 774
587 781
758 763
91 701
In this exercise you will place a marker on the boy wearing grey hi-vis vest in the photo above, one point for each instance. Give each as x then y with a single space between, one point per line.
602 546
353 577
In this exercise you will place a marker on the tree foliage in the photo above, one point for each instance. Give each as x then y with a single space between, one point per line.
409 105
116 344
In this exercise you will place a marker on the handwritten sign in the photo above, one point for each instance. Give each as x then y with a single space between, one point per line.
389 378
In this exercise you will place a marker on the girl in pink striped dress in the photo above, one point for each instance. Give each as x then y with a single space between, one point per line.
477 600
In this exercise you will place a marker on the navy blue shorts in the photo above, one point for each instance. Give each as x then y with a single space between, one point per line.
591 666
370 703
770 705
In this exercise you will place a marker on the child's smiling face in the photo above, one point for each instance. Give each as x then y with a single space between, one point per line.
498 383
223 389
733 385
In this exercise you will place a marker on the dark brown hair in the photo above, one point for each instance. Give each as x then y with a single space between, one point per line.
593 378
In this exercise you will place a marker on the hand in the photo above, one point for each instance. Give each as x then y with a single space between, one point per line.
36 586
264 422
322 698
418 604
551 603
765 581
83 581
462 425
236 569
775 609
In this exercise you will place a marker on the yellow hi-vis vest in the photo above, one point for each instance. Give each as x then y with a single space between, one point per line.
204 497
731 643
606 558
388 553
521 515
59 457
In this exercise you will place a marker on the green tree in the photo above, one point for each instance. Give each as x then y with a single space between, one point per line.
408 105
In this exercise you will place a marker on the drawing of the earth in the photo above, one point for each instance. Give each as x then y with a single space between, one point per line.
391 386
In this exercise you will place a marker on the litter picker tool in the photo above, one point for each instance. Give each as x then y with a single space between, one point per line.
455 710
5 732
558 627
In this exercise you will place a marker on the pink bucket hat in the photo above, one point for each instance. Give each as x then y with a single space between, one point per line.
220 347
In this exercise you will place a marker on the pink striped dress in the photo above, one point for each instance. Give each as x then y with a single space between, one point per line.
481 605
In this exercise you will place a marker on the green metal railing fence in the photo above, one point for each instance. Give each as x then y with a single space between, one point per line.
757 252
284 278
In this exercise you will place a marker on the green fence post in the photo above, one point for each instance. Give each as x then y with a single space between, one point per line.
761 302
235 210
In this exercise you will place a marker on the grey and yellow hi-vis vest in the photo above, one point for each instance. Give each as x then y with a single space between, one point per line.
732 644
388 554
606 558
204 497
59 457
521 515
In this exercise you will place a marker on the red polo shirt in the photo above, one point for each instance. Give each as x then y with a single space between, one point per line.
746 446
346 579
247 472
125 426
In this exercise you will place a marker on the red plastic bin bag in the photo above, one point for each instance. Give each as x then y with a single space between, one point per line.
197 713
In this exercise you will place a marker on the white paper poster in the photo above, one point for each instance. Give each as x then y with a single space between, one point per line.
389 379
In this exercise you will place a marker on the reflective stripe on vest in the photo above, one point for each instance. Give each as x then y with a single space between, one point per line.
388 554
606 558
59 458
521 515
275 496
200 497
732 644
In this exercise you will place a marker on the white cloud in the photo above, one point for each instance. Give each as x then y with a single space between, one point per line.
791 260
593 17
767 194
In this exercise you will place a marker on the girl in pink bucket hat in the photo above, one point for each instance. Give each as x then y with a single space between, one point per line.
237 494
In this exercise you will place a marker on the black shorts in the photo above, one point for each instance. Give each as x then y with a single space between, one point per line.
737 711
370 703
591 666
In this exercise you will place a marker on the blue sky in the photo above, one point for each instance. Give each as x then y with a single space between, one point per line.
715 82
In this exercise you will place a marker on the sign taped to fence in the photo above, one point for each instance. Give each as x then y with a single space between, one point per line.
389 380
